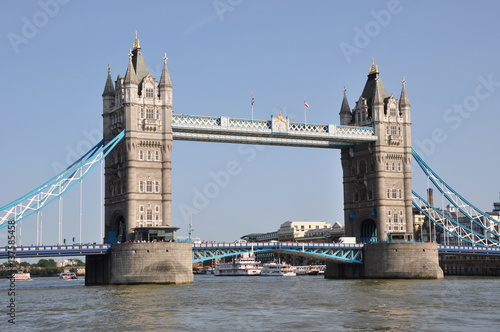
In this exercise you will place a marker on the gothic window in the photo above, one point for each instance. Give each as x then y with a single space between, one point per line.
394 130
149 113
399 167
149 215
393 168
157 115
362 167
141 208
388 193
149 186
395 218
400 193
157 187
389 212
141 217
141 155
141 113
393 111
141 186
157 155
149 155
386 166
149 93
157 208
399 131
394 193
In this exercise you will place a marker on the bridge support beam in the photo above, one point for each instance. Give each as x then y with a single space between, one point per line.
407 260
142 263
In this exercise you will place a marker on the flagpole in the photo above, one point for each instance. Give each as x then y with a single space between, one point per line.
253 100
305 109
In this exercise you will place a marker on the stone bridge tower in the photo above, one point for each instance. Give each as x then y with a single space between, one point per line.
377 175
138 171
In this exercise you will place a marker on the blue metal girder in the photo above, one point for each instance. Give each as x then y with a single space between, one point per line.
468 250
54 251
348 253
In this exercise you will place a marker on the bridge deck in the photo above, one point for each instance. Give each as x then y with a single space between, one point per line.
221 249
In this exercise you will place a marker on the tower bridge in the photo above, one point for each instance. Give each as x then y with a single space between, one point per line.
139 127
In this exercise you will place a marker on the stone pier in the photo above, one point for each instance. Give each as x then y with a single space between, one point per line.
142 263
406 260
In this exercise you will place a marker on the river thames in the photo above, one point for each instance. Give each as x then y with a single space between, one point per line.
302 303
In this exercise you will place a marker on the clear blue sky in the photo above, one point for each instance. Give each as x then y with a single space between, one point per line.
53 69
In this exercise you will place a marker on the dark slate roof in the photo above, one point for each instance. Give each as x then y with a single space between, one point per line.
372 83
141 70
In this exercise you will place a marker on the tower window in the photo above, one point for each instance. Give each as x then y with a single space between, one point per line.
157 155
141 155
157 186
141 113
149 155
141 186
149 93
141 208
149 113
149 215
149 186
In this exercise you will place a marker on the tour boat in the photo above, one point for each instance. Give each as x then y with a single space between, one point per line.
21 276
242 265
278 269
68 275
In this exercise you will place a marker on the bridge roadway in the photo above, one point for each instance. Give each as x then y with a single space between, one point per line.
206 251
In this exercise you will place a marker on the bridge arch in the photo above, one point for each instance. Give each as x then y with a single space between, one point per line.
116 231
368 231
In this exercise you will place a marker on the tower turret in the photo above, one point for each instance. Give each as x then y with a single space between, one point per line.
345 111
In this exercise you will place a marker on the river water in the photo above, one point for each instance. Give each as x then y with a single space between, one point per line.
302 303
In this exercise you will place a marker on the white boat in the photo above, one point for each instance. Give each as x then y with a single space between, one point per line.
242 265
68 275
21 276
278 269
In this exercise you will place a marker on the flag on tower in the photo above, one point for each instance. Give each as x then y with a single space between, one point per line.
253 99
306 105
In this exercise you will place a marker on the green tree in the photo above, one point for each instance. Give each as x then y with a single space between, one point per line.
43 263
79 262
25 264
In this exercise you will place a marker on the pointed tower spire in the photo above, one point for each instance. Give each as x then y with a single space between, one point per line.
403 100
130 76
109 88
378 94
165 76
141 70
345 110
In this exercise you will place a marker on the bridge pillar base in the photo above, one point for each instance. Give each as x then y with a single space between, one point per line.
143 263
407 260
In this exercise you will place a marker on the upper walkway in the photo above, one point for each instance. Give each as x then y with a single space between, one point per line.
277 131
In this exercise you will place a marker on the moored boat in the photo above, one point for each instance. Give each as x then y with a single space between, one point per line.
21 276
68 275
242 265
278 269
